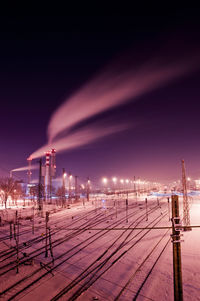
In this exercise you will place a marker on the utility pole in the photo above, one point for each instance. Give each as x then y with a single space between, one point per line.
64 190
70 187
17 240
138 187
40 186
146 210
88 189
127 210
50 244
135 189
177 271
33 221
168 208
186 211
76 188
46 224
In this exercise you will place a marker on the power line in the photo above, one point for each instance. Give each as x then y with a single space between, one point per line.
137 228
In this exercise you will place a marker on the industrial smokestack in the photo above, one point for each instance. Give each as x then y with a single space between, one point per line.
53 162
47 175
52 170
29 173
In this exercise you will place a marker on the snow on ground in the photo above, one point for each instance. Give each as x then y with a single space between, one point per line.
159 285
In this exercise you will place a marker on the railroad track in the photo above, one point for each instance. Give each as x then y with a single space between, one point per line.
57 242
8 253
41 250
138 270
58 220
93 272
59 257
27 244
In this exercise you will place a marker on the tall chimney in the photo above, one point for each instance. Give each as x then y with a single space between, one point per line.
47 175
29 173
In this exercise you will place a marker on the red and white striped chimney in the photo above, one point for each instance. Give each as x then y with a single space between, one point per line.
29 173
53 162
47 175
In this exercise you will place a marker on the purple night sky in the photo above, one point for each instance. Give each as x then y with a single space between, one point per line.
45 60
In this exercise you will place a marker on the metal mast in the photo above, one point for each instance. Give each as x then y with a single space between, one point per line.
40 186
64 189
186 211
70 187
76 188
88 189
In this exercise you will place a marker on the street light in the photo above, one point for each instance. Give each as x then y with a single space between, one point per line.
88 189
114 179
105 181
64 189
122 183
70 186
189 179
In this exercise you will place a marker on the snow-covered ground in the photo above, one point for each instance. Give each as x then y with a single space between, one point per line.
95 257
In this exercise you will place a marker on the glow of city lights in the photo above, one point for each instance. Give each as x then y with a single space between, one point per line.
122 181
105 180
127 181
64 175
114 179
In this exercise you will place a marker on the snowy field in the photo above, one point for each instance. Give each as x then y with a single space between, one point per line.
100 251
